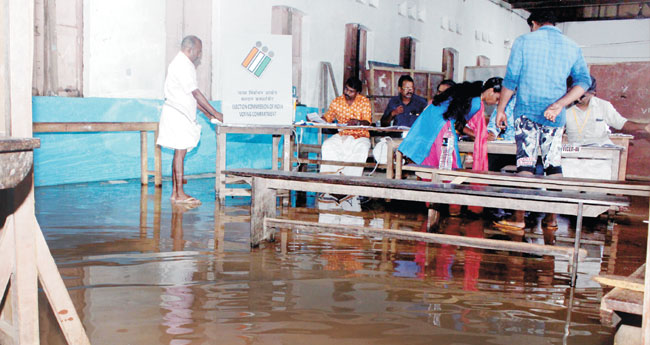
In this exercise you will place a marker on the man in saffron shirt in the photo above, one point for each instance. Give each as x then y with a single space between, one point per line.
349 145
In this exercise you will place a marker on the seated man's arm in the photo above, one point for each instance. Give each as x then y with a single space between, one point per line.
614 119
330 115
392 110
366 115
636 127
205 106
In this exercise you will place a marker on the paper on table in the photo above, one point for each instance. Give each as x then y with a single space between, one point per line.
215 121
314 117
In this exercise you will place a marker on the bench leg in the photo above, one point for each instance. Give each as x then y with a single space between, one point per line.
263 204
144 174
576 247
157 161
220 179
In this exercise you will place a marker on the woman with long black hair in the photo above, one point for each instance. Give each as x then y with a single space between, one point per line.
437 127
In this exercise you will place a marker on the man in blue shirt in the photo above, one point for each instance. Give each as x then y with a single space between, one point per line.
538 67
403 109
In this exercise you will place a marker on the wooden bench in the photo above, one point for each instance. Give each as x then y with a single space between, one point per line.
142 127
548 182
303 150
622 299
265 184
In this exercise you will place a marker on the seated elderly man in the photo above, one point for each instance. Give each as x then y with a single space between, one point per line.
590 118
349 145
588 122
403 109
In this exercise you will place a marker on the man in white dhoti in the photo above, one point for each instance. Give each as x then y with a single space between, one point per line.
178 128
349 145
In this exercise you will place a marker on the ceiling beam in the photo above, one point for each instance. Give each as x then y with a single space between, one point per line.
555 4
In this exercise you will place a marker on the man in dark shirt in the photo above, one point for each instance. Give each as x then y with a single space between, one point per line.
403 109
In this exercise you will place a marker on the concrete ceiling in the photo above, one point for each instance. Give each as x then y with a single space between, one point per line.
583 10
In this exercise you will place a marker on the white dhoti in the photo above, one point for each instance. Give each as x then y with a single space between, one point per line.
177 131
344 149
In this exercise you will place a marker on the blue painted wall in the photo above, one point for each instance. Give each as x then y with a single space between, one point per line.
83 157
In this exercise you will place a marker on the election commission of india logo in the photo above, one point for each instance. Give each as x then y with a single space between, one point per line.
258 59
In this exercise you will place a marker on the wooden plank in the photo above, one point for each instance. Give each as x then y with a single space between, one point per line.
157 161
256 129
523 201
55 127
64 310
464 241
622 282
263 205
339 163
220 177
24 282
551 182
354 182
622 300
8 334
341 127
274 152
144 175
8 262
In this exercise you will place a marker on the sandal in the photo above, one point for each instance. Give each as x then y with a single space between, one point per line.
509 227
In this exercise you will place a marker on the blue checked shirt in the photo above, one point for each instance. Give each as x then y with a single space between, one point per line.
539 65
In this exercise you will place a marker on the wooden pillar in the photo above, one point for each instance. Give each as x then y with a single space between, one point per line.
276 144
157 161
263 204
144 174
220 179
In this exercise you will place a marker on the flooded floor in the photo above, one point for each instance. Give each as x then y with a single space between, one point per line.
143 272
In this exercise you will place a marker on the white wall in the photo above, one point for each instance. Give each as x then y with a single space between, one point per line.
124 48
324 32
125 41
610 41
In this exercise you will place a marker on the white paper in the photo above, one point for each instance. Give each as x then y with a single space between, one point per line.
314 117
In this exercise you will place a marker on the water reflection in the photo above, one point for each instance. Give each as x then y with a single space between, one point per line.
144 272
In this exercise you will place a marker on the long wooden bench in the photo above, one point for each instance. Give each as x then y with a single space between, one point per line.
265 184
549 182
142 127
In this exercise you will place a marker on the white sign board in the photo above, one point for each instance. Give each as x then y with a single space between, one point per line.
256 80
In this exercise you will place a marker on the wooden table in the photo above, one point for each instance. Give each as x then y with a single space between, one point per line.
223 130
142 127
613 154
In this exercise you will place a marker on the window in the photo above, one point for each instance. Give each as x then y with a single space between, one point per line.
58 48
482 60
449 62
407 52
355 51
288 21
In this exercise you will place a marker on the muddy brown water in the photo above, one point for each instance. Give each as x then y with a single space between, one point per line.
141 271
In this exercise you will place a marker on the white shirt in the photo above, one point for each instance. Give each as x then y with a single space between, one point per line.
179 84
591 126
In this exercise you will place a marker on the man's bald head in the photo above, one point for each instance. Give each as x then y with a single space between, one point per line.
193 48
